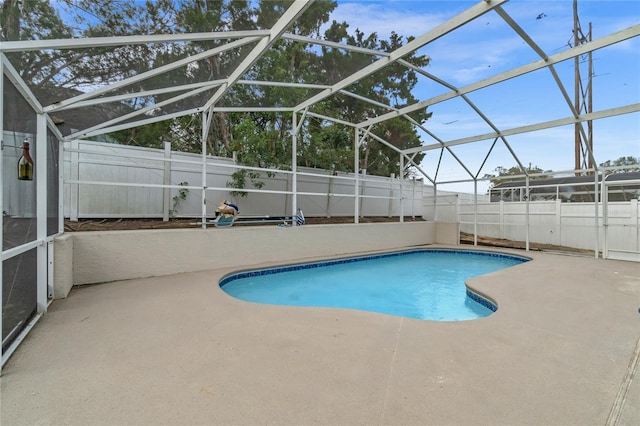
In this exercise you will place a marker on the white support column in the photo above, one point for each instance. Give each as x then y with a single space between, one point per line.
166 180
294 169
635 222
205 131
605 217
596 215
401 188
74 188
501 219
49 246
60 187
356 172
391 183
435 204
475 211
363 189
41 212
527 212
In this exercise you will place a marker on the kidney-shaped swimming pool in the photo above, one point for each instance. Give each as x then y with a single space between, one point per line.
425 284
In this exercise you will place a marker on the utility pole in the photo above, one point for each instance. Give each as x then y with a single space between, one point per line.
583 97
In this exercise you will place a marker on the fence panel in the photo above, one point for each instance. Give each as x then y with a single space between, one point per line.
130 169
550 222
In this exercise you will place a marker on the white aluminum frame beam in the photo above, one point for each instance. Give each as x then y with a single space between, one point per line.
600 43
287 18
333 44
553 72
152 73
473 106
150 108
424 129
534 127
125 126
441 30
84 43
142 94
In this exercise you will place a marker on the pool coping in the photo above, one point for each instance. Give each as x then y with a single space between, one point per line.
482 299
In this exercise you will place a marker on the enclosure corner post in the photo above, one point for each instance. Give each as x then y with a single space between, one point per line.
41 212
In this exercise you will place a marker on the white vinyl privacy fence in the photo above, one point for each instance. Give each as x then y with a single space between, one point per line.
103 180
616 234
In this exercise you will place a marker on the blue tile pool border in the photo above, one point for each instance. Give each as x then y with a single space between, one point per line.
482 300
324 263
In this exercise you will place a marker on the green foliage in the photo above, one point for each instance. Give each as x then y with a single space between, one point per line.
179 198
502 174
259 147
259 139
632 164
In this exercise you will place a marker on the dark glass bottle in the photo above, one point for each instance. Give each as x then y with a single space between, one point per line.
25 163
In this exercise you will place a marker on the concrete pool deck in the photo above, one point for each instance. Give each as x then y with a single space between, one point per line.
177 350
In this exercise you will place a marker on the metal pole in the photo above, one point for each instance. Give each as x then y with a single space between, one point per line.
475 211
605 216
401 188
60 183
205 130
166 192
294 169
595 203
590 107
413 199
527 214
41 212
356 172
435 202
576 77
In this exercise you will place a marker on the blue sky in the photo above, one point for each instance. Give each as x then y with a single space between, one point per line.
488 46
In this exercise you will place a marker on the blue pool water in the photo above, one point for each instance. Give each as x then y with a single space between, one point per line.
424 284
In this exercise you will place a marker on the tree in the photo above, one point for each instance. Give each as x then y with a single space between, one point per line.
55 75
630 163
391 85
502 174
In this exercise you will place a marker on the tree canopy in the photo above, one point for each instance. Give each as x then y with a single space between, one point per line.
258 138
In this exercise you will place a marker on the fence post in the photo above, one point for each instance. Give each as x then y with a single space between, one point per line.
635 221
557 239
393 175
329 192
166 180
501 219
362 189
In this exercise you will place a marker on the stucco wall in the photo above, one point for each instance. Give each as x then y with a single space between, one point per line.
97 257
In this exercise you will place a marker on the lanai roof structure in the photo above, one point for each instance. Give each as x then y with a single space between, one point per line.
160 342
126 98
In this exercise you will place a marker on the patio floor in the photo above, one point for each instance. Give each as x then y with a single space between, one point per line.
177 350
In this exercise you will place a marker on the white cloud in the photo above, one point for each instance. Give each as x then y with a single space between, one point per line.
385 17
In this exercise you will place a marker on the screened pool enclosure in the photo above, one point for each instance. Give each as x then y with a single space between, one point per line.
68 89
